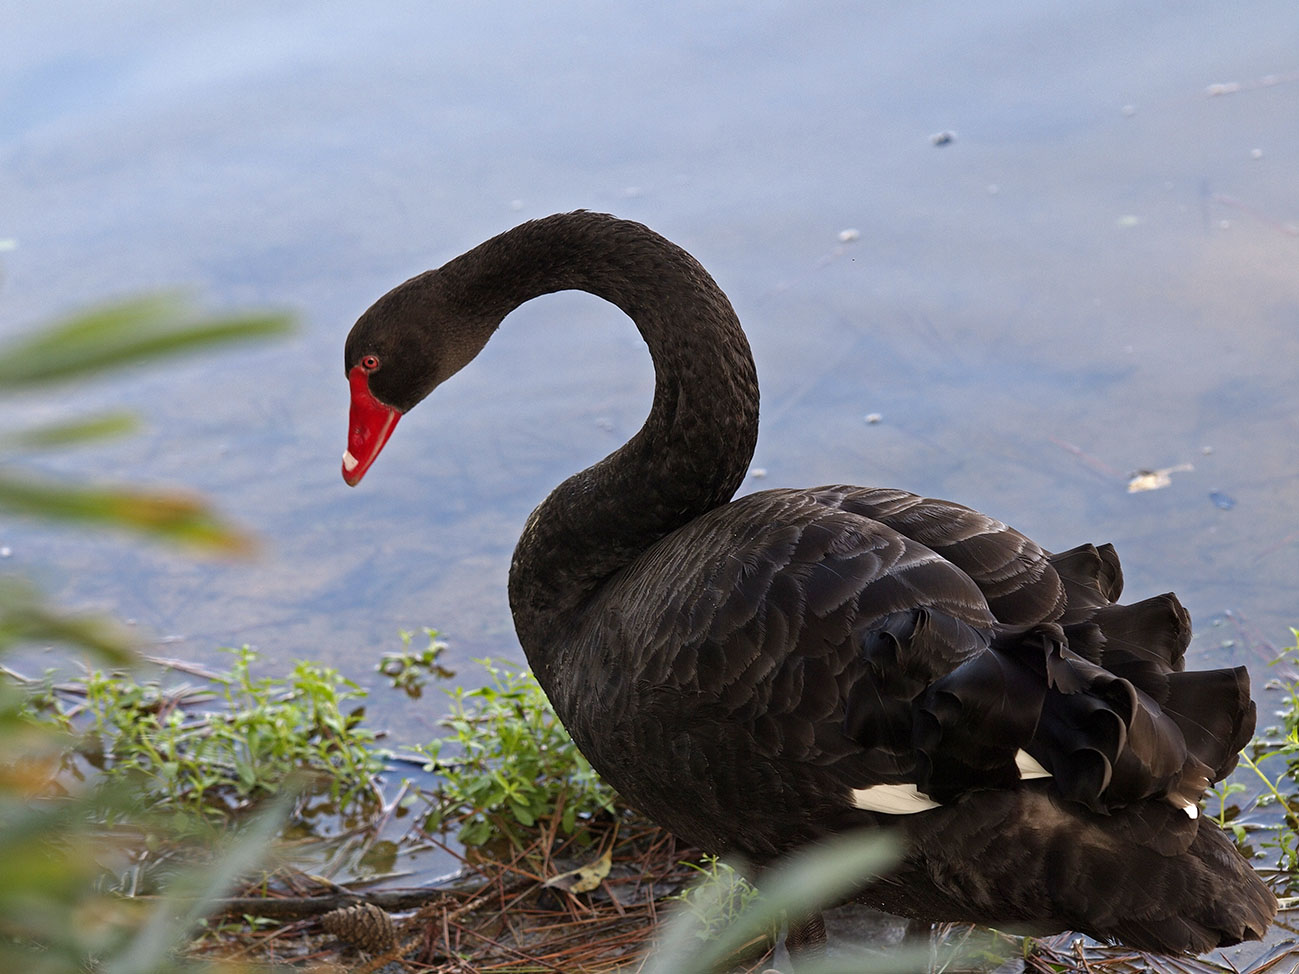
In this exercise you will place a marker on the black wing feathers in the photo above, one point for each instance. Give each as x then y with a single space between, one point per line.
938 642
830 640
971 722
1011 571
1092 689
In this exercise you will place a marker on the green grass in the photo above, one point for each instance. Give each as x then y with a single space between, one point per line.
207 753
409 669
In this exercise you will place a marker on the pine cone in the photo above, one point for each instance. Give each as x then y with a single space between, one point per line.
363 925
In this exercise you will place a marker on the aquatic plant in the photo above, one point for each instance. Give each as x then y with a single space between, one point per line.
508 762
212 752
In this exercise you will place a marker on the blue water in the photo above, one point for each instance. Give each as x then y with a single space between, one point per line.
1097 275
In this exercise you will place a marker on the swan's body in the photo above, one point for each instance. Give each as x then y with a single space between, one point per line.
756 674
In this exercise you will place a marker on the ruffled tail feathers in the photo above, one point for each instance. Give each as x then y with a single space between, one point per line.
1092 578
1181 731
1110 739
1215 713
1113 739
1100 698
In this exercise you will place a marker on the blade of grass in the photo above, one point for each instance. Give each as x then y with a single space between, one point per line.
161 514
123 334
25 617
820 875
193 895
73 432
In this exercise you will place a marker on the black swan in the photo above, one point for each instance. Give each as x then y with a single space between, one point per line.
755 674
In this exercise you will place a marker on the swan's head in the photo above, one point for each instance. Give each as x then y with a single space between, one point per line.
408 343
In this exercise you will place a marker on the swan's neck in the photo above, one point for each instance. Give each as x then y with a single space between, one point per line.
696 444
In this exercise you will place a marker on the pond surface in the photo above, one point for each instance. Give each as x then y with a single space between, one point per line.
1097 274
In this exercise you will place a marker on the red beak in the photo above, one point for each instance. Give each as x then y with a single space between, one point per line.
370 423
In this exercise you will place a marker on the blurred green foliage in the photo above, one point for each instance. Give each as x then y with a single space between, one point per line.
57 914
87 346
126 333
719 919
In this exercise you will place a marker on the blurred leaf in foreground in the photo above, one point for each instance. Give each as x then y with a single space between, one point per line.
166 515
191 895
87 429
121 334
817 876
25 617
100 340
57 915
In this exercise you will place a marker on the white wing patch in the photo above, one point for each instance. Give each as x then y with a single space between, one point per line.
907 799
1028 766
893 799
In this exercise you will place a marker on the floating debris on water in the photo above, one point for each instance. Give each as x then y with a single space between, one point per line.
1222 501
872 418
758 472
1235 87
1222 88
943 138
1154 479
849 235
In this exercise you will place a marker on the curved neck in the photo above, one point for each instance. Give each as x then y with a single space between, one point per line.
695 446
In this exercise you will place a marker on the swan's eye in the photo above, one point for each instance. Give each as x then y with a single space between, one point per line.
370 363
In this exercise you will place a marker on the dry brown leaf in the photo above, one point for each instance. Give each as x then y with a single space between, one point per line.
583 879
